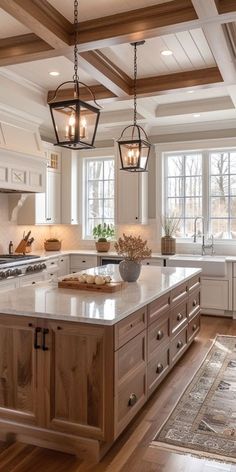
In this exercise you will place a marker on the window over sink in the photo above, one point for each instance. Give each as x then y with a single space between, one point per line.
99 179
202 184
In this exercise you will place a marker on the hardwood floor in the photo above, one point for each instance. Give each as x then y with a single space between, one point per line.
131 453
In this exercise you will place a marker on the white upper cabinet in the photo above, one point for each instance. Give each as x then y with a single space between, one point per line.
131 196
69 182
45 208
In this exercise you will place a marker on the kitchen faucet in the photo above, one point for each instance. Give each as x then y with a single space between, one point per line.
204 246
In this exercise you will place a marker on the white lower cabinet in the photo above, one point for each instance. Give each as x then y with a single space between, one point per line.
8 285
214 294
80 262
153 262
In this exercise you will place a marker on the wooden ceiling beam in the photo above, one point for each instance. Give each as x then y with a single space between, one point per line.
225 6
151 86
24 48
163 83
42 19
134 25
100 92
105 72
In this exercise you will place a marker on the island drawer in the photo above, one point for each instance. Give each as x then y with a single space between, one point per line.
179 317
158 307
178 345
179 293
158 333
130 357
193 303
194 283
158 368
194 327
130 326
130 398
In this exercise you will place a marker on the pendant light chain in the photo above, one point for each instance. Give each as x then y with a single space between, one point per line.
76 23
135 83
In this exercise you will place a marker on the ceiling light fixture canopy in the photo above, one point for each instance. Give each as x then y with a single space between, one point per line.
134 147
74 120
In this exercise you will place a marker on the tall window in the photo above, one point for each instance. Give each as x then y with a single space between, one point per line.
99 192
184 190
202 184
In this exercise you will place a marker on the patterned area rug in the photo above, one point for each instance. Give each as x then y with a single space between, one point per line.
204 420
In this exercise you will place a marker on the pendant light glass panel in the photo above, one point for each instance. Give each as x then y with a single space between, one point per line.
134 149
75 123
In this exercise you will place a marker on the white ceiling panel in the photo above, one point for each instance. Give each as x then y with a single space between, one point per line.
38 72
10 27
93 9
190 51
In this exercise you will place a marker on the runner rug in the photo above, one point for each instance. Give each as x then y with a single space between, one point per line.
204 420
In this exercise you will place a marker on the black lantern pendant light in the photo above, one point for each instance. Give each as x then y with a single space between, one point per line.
133 143
75 121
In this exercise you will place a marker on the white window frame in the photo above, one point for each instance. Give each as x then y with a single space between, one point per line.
86 160
205 147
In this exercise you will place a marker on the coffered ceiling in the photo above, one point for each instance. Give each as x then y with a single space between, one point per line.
36 38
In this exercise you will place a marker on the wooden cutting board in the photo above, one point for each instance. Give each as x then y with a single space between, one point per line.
107 288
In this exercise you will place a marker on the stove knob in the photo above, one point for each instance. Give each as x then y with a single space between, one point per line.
2 275
35 267
44 266
29 269
14 272
8 273
18 271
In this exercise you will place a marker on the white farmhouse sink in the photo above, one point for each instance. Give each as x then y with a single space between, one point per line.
211 265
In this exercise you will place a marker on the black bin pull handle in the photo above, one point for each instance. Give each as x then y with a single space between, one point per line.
36 332
45 332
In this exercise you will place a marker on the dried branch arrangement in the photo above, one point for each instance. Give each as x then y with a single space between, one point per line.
170 225
132 248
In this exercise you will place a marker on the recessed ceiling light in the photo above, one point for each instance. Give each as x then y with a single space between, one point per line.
196 115
54 73
167 52
190 91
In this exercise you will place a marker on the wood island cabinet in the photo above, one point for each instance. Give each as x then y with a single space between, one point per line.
75 386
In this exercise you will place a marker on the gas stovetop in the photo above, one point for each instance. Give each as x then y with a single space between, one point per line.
7 258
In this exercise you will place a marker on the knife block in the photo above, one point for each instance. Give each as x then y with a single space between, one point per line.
22 247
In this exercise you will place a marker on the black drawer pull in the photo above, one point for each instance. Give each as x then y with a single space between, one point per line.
194 327
59 328
159 368
160 335
179 344
194 302
36 332
179 317
45 332
132 399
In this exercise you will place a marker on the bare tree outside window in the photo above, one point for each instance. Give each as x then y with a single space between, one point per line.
100 193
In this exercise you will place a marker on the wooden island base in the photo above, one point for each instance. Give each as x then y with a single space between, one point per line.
74 387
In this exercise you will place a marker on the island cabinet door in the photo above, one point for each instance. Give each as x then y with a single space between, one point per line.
79 392
20 399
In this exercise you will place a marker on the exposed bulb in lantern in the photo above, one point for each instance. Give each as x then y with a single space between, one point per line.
70 128
83 128
133 157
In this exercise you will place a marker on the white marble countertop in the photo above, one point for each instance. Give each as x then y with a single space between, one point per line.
48 301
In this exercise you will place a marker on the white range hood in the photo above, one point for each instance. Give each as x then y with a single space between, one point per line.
22 159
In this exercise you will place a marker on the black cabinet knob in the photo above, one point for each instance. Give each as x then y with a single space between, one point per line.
160 335
179 317
179 344
159 368
132 399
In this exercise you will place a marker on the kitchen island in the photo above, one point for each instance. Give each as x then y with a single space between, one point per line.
77 366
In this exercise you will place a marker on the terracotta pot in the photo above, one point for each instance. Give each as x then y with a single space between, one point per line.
168 246
103 246
129 270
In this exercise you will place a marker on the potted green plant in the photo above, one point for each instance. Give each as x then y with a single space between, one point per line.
170 225
103 232
133 249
